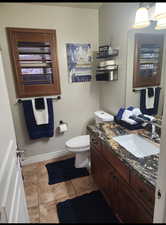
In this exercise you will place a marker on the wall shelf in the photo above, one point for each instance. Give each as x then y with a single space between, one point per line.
107 75
107 72
115 53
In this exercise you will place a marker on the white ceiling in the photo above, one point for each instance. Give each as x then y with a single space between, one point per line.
89 5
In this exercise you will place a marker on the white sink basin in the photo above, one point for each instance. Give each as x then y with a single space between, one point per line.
137 145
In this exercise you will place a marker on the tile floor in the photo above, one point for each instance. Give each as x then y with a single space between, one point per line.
42 197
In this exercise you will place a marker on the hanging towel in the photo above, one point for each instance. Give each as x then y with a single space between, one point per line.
150 92
150 98
39 103
41 115
38 131
149 111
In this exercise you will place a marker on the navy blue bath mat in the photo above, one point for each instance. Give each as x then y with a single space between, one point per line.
88 208
64 170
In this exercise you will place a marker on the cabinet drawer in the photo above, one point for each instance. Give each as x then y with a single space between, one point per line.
144 190
119 165
95 142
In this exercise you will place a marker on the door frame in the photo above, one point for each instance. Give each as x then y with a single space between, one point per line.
160 202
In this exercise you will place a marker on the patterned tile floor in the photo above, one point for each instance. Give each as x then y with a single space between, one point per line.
42 198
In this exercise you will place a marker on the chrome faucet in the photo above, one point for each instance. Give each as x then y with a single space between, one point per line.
154 134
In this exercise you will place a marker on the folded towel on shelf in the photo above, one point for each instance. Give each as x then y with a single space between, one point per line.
39 103
127 125
126 115
147 117
38 131
136 118
130 108
120 113
142 116
150 98
41 115
144 109
136 111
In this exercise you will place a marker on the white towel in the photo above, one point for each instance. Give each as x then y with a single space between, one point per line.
136 111
126 115
149 100
41 115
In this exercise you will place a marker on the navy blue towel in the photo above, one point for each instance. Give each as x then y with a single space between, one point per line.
127 125
39 103
143 108
38 131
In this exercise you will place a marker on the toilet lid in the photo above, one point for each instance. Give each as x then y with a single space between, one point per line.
79 142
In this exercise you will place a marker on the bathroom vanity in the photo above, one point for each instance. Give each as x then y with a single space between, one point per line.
127 182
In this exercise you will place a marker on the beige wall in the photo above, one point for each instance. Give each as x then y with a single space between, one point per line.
115 19
79 100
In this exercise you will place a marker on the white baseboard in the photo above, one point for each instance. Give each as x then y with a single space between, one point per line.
45 156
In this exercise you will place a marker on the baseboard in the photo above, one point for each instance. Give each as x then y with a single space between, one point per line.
45 156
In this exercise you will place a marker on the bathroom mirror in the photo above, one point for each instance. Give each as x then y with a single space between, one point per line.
133 98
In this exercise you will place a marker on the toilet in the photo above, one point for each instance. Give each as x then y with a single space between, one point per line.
80 145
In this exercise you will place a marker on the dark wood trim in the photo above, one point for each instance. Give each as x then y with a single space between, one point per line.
129 197
45 35
147 38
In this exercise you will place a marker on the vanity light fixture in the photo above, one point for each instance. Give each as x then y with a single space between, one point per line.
141 18
161 24
148 12
160 10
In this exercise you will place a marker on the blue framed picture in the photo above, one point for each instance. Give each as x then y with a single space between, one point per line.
79 61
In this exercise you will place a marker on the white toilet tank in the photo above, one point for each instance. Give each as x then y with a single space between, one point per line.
101 116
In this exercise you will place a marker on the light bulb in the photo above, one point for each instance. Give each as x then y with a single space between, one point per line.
160 10
141 18
161 24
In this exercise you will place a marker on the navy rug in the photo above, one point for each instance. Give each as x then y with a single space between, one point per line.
64 170
88 208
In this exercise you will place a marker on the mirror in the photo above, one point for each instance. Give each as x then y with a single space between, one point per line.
133 98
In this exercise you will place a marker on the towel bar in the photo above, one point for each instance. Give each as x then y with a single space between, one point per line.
55 98
139 89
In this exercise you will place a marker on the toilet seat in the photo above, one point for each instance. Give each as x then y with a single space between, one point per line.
79 143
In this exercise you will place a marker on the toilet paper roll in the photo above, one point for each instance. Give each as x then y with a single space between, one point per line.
62 127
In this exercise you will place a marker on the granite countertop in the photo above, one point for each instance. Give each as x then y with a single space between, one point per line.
146 167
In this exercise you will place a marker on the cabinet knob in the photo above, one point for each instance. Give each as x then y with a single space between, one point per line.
140 190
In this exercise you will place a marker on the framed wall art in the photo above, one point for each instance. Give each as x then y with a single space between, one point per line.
79 61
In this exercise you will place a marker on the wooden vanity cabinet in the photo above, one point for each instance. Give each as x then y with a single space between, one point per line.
120 185
104 177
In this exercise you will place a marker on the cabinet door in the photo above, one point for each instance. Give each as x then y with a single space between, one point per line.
112 191
104 177
98 170
130 210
